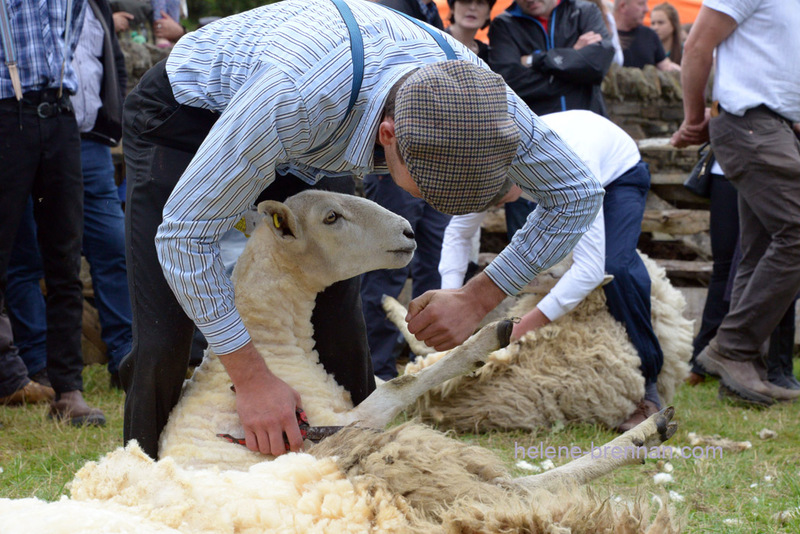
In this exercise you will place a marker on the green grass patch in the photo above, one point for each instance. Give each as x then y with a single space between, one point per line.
739 492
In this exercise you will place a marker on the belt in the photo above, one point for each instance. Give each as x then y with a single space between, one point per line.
763 107
45 104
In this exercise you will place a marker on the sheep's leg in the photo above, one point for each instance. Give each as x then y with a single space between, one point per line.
624 450
396 313
383 405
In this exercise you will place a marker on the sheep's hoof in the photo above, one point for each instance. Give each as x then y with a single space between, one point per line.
504 329
665 428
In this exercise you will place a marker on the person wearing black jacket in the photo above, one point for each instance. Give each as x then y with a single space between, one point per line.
100 68
553 54
424 10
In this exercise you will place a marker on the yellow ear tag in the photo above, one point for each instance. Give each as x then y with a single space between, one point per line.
242 226
277 221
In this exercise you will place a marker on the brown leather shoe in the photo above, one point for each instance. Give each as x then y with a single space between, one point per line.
71 407
741 378
693 379
30 393
643 410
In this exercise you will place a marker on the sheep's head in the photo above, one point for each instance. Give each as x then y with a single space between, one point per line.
332 236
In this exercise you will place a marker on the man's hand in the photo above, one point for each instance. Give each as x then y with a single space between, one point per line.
445 318
691 134
168 28
122 21
265 403
588 38
530 321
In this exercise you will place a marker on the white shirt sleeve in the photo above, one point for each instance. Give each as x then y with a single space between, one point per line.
586 273
457 248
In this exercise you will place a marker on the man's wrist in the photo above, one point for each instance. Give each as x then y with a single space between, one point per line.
484 293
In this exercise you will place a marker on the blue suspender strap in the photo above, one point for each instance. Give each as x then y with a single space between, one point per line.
356 49
437 36
357 53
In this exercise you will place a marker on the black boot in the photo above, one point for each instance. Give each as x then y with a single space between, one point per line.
779 356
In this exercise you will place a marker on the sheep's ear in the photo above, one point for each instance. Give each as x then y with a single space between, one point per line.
606 280
279 219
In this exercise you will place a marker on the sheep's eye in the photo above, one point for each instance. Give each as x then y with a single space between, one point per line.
331 217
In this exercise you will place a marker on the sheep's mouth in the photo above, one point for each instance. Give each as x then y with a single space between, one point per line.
403 251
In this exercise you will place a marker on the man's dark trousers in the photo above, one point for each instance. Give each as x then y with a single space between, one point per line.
628 295
160 138
40 156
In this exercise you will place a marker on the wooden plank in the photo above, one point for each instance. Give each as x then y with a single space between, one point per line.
667 178
675 221
679 196
684 268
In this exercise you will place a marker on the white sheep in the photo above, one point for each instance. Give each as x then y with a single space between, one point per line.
580 368
286 263
407 479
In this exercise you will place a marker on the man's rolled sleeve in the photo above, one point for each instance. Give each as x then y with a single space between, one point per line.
568 199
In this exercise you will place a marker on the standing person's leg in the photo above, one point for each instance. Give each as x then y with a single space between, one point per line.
724 232
15 387
154 371
761 157
781 349
104 248
628 294
768 182
24 299
429 233
19 159
58 210
381 333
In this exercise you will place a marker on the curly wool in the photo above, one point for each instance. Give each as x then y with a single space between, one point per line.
580 368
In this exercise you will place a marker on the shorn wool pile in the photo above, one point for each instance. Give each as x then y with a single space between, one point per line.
410 478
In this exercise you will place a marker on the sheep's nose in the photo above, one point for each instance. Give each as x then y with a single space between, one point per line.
409 233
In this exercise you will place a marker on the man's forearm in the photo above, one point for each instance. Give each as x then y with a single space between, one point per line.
695 69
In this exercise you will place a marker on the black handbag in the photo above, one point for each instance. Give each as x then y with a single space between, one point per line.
699 180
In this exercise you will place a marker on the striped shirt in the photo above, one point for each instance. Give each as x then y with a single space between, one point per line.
280 77
37 29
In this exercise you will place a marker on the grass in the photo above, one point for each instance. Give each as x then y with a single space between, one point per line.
739 492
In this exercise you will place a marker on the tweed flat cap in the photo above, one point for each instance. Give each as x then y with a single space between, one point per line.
455 134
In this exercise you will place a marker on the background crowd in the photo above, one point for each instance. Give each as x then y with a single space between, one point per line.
59 199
